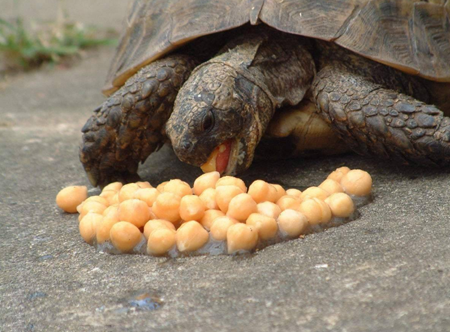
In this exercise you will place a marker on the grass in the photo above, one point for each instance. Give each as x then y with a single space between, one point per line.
25 48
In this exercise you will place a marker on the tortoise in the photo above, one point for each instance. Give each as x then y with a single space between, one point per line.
226 80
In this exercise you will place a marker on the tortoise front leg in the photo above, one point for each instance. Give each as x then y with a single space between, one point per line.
129 125
377 120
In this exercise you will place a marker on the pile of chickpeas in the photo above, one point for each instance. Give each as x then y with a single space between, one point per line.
218 215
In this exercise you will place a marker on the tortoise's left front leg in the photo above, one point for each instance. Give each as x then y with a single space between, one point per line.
375 118
129 125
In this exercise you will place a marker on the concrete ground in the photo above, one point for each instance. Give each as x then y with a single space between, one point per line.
387 271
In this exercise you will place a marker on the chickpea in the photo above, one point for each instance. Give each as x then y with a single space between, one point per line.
115 199
293 192
209 217
154 224
357 182
161 241
292 223
98 199
144 184
312 210
205 181
147 195
178 187
231 181
241 237
127 191
314 192
92 206
125 236
104 228
116 186
88 226
192 208
108 195
266 226
269 209
220 227
326 211
331 186
208 196
280 191
70 197
111 211
241 207
224 194
191 236
167 206
259 190
338 174
161 186
288 202
341 205
134 211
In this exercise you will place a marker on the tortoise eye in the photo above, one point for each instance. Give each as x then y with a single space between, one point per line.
208 121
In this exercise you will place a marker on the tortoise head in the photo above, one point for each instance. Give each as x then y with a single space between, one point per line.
218 119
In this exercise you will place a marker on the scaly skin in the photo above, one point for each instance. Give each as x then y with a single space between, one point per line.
129 125
364 102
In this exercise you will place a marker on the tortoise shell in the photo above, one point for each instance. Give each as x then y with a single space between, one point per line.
412 36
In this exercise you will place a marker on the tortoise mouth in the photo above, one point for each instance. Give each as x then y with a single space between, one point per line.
223 158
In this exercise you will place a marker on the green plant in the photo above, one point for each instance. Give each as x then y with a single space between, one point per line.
27 47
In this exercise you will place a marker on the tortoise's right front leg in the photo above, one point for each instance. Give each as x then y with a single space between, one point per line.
129 125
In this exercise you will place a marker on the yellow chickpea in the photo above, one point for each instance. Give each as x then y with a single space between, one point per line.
338 174
266 226
127 191
331 186
292 223
259 190
178 187
161 186
288 202
134 211
241 207
326 211
314 192
104 228
191 236
312 210
125 236
111 210
115 199
92 206
108 195
161 241
280 191
144 184
116 186
269 209
205 181
70 197
147 195
192 208
209 217
224 194
88 226
294 192
357 182
98 199
241 237
154 224
341 205
231 181
220 227
208 196
167 206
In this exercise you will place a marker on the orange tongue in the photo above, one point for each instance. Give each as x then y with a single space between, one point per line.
218 160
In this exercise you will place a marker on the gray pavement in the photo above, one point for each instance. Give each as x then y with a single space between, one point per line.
387 271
